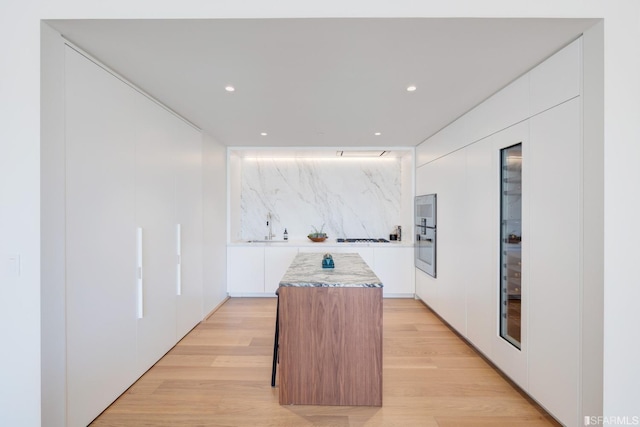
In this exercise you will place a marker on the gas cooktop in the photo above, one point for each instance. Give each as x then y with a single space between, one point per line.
363 240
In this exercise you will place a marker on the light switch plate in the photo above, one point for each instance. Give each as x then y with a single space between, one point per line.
12 265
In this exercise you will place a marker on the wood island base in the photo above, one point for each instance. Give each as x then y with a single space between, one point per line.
330 346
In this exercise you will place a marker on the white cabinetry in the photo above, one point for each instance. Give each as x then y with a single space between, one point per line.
557 79
125 169
554 299
395 268
245 270
189 216
100 241
155 214
554 168
257 270
482 238
276 262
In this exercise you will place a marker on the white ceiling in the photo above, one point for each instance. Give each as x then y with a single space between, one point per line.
321 82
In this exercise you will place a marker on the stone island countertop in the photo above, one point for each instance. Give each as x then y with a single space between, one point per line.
350 272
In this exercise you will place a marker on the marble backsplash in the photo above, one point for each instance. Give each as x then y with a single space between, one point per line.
350 197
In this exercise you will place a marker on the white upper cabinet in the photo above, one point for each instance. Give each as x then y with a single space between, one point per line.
442 143
503 109
554 81
557 79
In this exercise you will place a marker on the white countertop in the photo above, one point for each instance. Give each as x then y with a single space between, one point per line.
329 243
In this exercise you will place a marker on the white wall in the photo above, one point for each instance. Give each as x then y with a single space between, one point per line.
593 216
621 228
20 165
53 230
214 158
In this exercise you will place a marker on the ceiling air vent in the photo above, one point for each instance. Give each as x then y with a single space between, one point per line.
361 153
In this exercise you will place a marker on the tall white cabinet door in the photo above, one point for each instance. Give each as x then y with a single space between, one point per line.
155 215
554 314
482 239
449 284
189 238
100 239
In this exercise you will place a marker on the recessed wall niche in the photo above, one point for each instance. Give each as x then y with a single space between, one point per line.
349 197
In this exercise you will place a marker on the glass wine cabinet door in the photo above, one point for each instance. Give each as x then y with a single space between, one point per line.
510 243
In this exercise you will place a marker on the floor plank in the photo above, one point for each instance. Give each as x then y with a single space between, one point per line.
220 373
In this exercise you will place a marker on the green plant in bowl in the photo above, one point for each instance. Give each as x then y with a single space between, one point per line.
317 236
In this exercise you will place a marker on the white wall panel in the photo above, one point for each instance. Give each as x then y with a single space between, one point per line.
214 189
505 108
426 289
53 230
100 264
511 360
155 150
557 79
593 220
448 139
554 305
451 238
126 157
245 270
481 273
422 179
188 205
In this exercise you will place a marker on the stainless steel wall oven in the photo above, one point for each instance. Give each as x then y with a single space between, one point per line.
426 232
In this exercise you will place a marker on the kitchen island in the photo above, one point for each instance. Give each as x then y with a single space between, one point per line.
330 325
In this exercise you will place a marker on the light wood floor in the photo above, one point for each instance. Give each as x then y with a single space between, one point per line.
220 374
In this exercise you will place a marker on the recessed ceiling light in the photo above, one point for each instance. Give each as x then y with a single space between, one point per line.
411 88
377 134
229 88
263 133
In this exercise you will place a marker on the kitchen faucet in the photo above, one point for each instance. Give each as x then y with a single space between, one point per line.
269 228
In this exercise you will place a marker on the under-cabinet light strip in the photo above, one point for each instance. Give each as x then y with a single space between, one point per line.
139 288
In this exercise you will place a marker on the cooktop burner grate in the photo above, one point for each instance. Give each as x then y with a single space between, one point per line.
361 240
